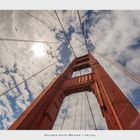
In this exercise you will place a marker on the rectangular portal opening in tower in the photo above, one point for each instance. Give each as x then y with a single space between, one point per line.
80 111
81 72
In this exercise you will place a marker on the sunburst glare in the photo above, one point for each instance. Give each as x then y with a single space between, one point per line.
38 49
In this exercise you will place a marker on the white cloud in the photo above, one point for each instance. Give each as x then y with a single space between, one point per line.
75 113
111 35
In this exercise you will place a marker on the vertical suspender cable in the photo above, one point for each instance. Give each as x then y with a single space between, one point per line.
75 113
85 111
91 111
81 114
26 79
65 114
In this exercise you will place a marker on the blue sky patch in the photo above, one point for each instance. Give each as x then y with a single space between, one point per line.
136 45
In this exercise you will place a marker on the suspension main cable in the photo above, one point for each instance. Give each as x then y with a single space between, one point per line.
24 40
64 32
40 20
82 28
124 70
4 93
36 18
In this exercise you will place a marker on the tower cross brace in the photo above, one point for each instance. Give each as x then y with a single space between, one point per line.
118 112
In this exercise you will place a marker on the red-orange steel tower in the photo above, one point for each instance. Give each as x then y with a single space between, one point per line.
117 110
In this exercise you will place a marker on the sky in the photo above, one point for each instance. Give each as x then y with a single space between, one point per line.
115 34
76 113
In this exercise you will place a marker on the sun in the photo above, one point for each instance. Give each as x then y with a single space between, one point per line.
38 49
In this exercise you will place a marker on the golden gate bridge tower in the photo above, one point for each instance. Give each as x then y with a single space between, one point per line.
118 112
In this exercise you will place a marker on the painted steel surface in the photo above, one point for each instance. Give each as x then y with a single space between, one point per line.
117 110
